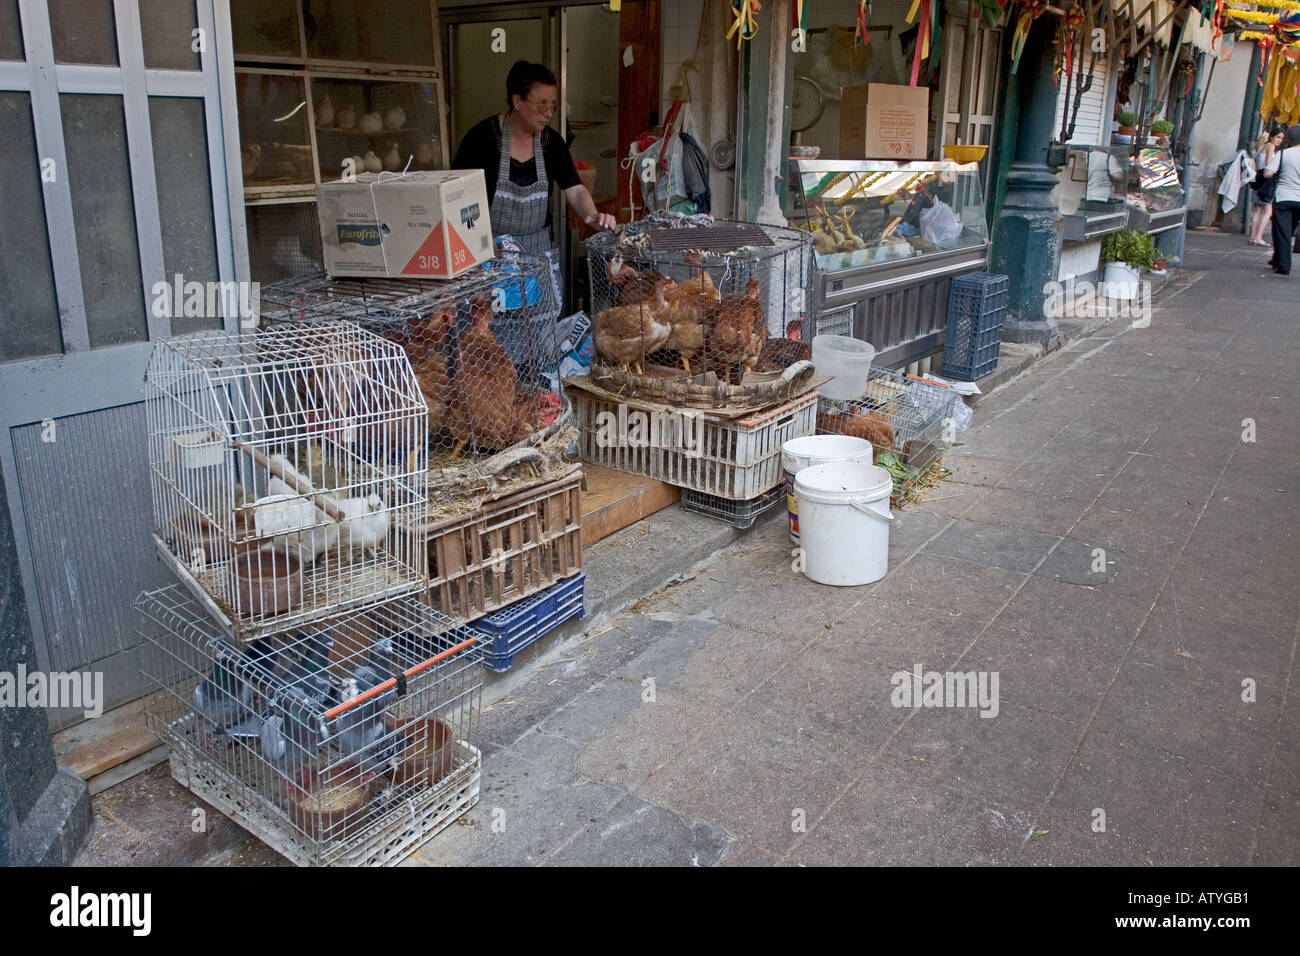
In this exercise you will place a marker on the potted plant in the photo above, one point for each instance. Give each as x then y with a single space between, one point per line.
1126 120
1161 129
1125 253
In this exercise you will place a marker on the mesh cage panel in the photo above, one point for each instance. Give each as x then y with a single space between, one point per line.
708 298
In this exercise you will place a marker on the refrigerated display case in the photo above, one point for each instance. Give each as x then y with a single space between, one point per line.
1092 199
888 239
1155 192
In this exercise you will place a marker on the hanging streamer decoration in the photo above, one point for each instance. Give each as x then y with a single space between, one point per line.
927 37
1030 10
1067 37
746 25
864 21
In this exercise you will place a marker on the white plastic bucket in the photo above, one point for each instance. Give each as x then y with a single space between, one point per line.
799 453
1120 281
844 520
847 360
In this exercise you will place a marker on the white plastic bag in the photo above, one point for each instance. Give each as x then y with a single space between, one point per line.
940 225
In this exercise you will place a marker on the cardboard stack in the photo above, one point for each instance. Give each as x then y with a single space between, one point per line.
883 121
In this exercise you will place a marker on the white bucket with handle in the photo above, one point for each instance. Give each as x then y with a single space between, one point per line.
799 453
844 521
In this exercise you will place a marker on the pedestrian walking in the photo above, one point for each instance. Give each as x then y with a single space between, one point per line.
1267 152
1286 201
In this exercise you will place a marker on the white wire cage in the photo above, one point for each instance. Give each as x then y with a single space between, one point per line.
287 470
907 421
705 299
345 743
484 346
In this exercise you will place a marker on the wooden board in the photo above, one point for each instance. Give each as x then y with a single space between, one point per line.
97 746
614 499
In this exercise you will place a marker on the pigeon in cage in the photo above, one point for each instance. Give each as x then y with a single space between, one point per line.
291 731
735 330
361 733
624 334
221 700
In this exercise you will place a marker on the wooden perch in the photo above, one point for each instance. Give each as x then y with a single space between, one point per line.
294 480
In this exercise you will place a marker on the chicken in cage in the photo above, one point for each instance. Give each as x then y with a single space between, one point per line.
907 421
287 471
346 742
677 296
484 347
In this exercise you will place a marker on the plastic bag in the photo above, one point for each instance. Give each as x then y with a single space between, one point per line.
962 415
940 225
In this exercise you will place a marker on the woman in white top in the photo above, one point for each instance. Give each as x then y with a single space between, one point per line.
1286 201
1265 158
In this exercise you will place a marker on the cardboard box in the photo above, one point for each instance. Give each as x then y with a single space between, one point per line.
428 225
883 121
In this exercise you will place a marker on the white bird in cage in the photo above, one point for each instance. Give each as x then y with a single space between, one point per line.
367 524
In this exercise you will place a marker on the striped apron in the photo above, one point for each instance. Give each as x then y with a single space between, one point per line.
522 212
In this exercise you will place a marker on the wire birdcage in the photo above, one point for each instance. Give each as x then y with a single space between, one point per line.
287 471
348 742
700 296
907 421
484 348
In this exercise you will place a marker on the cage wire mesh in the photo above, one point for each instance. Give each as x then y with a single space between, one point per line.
906 421
283 240
695 295
287 471
347 742
483 347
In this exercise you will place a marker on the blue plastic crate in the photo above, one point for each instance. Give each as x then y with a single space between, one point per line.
979 293
511 629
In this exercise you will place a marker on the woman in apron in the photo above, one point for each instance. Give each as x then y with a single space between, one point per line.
520 157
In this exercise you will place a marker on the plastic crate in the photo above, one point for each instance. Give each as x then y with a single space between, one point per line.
511 629
506 551
735 459
977 304
980 293
738 514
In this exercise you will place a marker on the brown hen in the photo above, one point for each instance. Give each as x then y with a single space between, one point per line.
688 304
486 409
626 334
734 332
429 363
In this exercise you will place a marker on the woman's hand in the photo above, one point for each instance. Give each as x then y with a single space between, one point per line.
581 200
601 220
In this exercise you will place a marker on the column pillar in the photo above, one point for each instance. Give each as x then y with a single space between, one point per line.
1027 235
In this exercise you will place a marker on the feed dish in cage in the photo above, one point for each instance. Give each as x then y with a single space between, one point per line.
327 739
904 418
484 347
691 297
287 471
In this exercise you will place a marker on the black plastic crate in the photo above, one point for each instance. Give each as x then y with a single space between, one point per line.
738 514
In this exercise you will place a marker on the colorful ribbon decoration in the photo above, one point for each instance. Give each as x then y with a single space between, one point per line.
922 37
746 25
1066 36
864 18
1030 10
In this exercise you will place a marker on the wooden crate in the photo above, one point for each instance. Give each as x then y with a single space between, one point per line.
514 547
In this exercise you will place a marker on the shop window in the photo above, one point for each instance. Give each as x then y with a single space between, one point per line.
94 129
29 309
83 31
166 29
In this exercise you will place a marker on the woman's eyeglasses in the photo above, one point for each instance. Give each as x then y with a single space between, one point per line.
545 109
